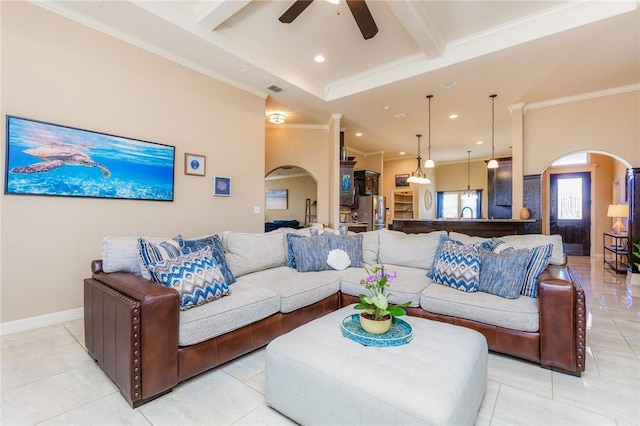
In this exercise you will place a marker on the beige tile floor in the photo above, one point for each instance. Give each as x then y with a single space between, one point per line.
48 378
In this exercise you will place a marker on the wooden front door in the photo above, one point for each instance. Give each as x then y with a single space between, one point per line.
570 214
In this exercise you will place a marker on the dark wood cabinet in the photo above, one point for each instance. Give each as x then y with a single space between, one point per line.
500 186
347 185
366 182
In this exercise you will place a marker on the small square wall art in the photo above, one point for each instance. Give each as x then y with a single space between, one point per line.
222 186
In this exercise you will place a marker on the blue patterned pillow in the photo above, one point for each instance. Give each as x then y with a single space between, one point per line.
291 258
311 253
538 262
458 266
443 239
217 248
351 244
491 244
195 276
502 274
152 253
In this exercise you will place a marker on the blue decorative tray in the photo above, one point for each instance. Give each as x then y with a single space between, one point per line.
400 333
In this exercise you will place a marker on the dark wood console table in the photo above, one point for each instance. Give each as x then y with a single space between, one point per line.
475 227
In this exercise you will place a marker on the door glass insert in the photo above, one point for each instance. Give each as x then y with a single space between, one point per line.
569 199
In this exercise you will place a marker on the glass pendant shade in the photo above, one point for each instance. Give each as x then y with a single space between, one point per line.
493 163
418 176
469 193
429 164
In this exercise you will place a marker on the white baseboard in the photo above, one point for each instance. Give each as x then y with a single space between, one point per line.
17 326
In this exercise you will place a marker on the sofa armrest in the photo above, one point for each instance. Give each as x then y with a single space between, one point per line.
562 320
131 330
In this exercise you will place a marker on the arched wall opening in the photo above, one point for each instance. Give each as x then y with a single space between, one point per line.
287 189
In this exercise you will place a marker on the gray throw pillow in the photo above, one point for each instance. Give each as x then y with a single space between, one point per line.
503 273
351 244
311 253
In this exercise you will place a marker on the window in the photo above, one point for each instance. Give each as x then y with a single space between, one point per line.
570 199
571 159
451 205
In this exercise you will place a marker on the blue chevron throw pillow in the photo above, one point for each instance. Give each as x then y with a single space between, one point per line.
457 266
195 276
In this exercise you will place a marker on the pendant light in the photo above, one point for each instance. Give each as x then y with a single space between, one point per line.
469 193
493 163
429 164
418 176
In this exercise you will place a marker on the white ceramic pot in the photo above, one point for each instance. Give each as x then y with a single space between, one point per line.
375 327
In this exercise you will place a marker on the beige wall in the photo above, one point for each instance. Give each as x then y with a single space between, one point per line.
59 71
299 189
306 148
608 124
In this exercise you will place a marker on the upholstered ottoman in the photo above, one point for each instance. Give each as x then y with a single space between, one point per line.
314 375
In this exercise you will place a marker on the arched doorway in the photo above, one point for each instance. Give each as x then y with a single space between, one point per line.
291 194
601 180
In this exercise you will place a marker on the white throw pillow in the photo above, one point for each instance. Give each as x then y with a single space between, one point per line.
122 254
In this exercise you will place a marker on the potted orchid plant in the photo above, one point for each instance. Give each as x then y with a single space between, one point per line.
378 314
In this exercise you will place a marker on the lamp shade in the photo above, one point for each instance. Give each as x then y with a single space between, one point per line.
618 211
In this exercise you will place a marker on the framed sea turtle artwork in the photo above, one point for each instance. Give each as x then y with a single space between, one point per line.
51 159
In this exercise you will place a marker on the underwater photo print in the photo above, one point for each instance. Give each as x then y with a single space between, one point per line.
50 159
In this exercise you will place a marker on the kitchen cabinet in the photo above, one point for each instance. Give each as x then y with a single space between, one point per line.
347 185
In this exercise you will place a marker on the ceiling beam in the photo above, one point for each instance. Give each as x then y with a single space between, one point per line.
419 25
219 11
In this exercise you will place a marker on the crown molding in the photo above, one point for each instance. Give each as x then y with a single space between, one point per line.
582 97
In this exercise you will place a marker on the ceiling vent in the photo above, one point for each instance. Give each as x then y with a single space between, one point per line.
274 88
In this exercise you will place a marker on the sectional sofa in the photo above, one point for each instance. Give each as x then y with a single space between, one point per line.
137 332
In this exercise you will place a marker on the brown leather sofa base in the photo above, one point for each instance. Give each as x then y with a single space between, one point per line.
131 331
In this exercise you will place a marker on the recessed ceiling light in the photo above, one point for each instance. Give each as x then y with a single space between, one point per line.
479 143
319 58
386 107
401 116
448 84
402 153
452 116
358 134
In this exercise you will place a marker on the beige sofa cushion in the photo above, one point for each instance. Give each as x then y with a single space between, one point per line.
248 253
413 250
245 305
528 241
122 254
296 289
517 314
407 287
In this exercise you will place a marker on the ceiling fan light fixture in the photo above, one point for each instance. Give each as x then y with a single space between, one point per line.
277 117
418 176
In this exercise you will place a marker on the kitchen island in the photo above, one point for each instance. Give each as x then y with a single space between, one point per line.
476 227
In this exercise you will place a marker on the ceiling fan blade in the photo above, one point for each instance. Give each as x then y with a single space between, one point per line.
296 9
362 15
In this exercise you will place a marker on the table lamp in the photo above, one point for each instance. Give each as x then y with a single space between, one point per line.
618 211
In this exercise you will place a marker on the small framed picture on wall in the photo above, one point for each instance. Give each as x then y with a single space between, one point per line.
401 180
222 186
194 164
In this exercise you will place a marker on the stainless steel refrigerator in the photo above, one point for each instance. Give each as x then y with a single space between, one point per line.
372 209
